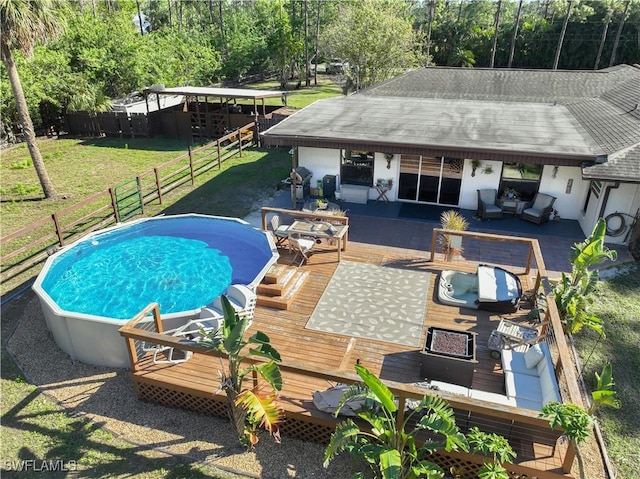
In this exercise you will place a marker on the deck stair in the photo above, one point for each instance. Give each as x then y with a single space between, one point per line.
280 286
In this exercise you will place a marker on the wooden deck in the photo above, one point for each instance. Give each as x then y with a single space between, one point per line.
314 360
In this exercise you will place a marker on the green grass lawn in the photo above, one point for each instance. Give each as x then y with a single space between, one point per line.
618 304
303 96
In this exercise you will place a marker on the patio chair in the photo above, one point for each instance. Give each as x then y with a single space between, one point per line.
487 207
241 297
302 248
208 320
540 209
511 335
279 230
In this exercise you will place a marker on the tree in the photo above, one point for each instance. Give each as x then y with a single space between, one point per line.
248 408
562 33
23 25
375 39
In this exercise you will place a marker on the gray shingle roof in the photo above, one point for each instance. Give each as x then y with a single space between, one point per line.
532 128
623 167
540 112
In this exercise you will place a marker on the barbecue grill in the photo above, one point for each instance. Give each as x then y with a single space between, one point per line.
300 182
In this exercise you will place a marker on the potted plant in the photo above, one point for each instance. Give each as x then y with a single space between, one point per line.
451 244
510 194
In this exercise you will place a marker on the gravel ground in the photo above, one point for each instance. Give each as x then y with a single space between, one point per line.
106 396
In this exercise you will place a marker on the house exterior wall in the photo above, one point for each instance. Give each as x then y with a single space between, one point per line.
623 199
563 182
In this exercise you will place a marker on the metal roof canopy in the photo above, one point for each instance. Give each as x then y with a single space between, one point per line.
227 93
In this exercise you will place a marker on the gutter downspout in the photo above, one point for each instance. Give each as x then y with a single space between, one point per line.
616 184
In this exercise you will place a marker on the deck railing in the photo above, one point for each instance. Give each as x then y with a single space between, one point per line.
519 426
26 248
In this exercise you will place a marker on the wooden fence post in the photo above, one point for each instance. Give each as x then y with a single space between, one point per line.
193 178
218 145
139 181
158 186
239 141
58 231
114 205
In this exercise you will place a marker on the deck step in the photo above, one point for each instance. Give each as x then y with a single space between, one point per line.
276 288
273 275
287 294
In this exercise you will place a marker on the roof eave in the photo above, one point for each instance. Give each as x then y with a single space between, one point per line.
275 139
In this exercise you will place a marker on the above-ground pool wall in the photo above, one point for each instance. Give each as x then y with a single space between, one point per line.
97 341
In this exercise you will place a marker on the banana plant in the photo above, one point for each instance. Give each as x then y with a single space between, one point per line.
573 294
249 408
390 448
604 394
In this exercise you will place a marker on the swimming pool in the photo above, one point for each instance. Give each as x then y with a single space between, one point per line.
89 289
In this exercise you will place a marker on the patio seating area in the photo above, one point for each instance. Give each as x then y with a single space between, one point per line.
313 360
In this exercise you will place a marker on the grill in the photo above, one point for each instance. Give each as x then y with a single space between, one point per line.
300 182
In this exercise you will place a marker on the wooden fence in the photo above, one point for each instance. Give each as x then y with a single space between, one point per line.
29 246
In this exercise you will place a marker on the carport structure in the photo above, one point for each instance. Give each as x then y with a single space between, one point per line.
210 112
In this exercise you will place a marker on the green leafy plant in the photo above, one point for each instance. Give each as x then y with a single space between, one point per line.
249 409
387 446
573 294
450 244
21 165
574 421
604 395
496 446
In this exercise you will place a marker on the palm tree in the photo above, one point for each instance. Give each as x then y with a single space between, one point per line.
23 24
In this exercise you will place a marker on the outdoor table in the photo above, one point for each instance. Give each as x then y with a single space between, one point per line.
318 230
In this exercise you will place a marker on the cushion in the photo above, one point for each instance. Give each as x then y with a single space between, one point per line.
533 356
514 361
492 397
541 202
523 386
532 212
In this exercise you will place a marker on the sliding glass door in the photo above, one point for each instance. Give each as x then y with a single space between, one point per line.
430 180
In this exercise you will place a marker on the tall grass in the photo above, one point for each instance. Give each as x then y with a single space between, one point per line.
618 305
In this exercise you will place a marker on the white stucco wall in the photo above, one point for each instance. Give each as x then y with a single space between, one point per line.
481 181
320 161
323 161
569 205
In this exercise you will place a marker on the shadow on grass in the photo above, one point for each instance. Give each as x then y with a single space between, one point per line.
150 144
59 443
239 188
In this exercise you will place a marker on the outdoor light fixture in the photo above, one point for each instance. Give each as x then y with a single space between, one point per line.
555 172
388 157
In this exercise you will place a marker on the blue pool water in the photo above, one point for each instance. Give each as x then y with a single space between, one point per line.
182 263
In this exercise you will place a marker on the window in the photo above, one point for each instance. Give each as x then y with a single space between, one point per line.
524 178
357 168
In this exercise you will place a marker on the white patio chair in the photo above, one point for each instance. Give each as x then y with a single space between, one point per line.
279 230
208 320
302 248
241 297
